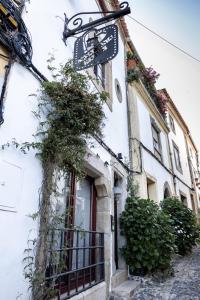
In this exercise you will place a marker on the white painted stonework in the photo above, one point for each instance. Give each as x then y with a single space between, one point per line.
154 175
21 175
151 168
185 179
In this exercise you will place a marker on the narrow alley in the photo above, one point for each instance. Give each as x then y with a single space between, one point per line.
184 285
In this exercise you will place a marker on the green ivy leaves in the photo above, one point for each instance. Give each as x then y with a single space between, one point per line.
72 113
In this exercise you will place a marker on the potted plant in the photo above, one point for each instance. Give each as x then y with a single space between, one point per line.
150 75
131 60
162 102
133 75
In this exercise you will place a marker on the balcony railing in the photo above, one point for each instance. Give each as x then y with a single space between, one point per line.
75 261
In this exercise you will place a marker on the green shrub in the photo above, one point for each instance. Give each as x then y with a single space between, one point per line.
133 75
184 223
130 55
149 236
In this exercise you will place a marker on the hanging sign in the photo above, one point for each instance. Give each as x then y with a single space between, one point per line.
96 46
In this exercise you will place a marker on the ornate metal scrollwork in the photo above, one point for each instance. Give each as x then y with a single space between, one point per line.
77 22
13 32
124 5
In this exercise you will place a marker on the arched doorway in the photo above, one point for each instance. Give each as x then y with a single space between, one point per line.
167 191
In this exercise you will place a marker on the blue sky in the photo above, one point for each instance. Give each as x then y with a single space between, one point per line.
179 22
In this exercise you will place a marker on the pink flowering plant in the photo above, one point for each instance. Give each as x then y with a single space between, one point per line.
162 102
150 75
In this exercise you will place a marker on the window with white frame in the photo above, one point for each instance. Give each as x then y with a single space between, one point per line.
103 74
99 71
172 125
177 157
156 140
183 198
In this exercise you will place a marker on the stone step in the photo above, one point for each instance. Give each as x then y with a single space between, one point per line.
126 290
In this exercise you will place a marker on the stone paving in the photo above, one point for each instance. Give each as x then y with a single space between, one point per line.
184 285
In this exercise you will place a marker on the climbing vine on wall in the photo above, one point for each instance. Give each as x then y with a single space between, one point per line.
73 113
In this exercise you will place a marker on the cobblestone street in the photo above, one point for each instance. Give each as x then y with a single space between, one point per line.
184 285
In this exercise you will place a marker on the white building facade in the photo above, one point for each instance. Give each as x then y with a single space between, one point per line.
21 175
163 154
137 140
184 156
149 144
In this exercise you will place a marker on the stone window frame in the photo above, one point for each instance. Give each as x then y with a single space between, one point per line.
108 88
167 188
118 90
185 200
193 202
151 188
99 71
177 157
172 124
157 146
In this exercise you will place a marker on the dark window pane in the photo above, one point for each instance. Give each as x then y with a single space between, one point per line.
156 142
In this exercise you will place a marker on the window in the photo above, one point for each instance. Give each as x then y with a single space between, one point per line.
177 158
118 90
103 73
167 190
166 193
172 125
156 140
193 203
183 198
75 256
99 71
151 189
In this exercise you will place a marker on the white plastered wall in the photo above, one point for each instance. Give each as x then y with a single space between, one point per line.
43 19
151 167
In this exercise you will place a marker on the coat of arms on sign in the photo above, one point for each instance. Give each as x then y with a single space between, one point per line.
96 46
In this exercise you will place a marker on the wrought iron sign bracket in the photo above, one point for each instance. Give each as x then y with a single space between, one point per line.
77 21
13 32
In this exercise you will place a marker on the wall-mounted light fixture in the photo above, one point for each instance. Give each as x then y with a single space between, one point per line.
120 156
117 190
